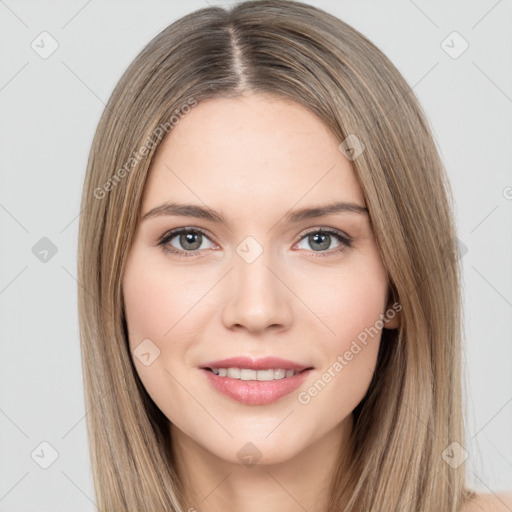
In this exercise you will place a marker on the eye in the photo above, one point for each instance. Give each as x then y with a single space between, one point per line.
320 239
190 240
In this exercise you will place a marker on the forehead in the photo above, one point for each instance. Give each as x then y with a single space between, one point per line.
249 151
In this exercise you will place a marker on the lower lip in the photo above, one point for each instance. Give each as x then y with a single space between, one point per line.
255 392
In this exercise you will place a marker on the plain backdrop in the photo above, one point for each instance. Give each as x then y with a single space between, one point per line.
50 106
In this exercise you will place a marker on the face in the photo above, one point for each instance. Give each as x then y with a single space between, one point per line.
254 279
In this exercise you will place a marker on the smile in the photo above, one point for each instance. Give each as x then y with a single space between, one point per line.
253 391
249 374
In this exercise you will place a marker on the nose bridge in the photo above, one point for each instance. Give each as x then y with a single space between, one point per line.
256 297
253 277
252 274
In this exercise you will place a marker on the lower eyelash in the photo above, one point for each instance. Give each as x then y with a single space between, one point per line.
345 241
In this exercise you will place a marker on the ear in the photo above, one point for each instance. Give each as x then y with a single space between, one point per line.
392 323
392 315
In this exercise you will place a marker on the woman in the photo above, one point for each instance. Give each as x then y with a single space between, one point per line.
304 351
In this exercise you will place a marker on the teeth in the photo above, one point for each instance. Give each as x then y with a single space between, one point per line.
247 374
279 374
265 375
234 373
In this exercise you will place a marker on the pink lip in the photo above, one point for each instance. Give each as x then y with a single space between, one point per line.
253 392
264 363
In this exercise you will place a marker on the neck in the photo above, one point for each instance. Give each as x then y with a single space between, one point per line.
213 484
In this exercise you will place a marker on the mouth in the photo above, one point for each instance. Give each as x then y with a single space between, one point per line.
258 375
255 381
262 363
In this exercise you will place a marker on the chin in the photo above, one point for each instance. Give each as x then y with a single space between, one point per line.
250 450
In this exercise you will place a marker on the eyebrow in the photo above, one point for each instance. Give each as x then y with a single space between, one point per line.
200 212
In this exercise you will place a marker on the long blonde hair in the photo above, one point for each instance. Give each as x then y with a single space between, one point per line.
413 409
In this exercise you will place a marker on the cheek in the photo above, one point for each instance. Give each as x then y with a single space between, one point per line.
158 307
148 313
156 300
349 304
153 309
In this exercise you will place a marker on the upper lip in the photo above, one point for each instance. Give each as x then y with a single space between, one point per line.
264 363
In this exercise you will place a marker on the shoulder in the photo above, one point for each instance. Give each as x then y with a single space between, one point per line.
489 503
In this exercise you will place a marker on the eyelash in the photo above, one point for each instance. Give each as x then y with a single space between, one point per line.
346 241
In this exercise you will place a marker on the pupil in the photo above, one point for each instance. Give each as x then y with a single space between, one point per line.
188 238
324 237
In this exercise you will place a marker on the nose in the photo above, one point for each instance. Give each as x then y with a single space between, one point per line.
256 296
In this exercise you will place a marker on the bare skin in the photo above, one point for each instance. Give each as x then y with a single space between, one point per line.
253 160
490 503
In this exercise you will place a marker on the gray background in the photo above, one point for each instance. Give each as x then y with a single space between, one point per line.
49 111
